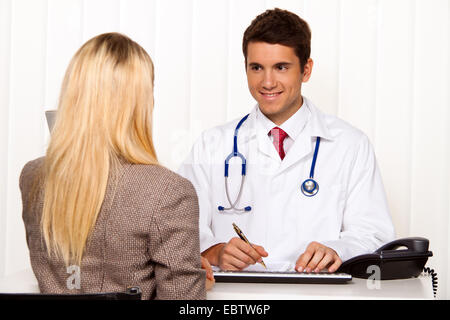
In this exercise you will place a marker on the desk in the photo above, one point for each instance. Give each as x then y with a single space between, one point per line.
357 289
416 288
22 281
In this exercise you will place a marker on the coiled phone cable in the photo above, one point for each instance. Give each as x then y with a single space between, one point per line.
434 279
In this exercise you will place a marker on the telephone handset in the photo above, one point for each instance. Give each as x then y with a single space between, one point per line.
393 263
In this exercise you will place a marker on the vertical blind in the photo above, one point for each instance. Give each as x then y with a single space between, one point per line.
382 65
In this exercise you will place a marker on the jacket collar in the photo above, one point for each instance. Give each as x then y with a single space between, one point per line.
317 124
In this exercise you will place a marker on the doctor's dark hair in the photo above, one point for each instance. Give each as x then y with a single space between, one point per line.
277 26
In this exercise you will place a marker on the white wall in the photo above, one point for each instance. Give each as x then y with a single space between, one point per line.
382 65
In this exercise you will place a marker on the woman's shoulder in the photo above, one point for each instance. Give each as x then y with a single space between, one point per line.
155 176
30 170
154 186
32 165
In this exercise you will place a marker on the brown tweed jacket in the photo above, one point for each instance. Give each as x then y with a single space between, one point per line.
146 235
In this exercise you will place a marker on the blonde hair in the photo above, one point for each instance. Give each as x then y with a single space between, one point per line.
104 115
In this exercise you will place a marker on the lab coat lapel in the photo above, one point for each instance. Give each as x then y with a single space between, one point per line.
303 145
264 144
248 137
301 148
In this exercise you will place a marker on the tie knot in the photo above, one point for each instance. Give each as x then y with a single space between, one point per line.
278 134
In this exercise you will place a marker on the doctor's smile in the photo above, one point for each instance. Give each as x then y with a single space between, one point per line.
271 95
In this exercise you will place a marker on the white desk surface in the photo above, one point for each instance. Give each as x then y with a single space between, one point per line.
22 281
416 288
356 289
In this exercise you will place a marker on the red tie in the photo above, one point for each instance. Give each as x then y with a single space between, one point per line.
278 138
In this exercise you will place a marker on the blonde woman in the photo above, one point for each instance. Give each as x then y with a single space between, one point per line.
100 213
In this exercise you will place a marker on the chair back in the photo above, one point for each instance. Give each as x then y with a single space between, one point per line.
51 116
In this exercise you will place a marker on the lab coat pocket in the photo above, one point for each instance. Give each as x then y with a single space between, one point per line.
322 214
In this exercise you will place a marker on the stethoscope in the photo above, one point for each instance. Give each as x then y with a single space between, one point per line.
309 187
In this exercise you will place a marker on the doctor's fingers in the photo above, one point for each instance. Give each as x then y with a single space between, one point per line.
262 252
302 261
305 258
230 262
232 258
337 263
327 261
331 260
246 252
319 254
322 258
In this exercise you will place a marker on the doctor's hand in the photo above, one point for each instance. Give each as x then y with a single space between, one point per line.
318 257
234 255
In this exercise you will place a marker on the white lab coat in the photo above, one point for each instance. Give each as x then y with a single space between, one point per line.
349 213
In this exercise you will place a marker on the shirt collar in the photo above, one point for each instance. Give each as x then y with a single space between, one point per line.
292 126
308 114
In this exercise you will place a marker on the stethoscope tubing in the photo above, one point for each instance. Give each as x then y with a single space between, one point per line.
236 153
313 165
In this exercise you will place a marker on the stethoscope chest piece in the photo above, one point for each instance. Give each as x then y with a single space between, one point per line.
309 187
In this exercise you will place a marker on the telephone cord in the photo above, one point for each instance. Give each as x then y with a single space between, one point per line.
434 279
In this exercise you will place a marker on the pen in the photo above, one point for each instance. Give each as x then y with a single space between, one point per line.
242 236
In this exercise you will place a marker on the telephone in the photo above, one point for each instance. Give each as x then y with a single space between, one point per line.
393 263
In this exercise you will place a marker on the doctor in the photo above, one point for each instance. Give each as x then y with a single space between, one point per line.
310 193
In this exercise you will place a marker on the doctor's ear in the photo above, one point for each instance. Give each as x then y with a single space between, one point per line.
307 70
